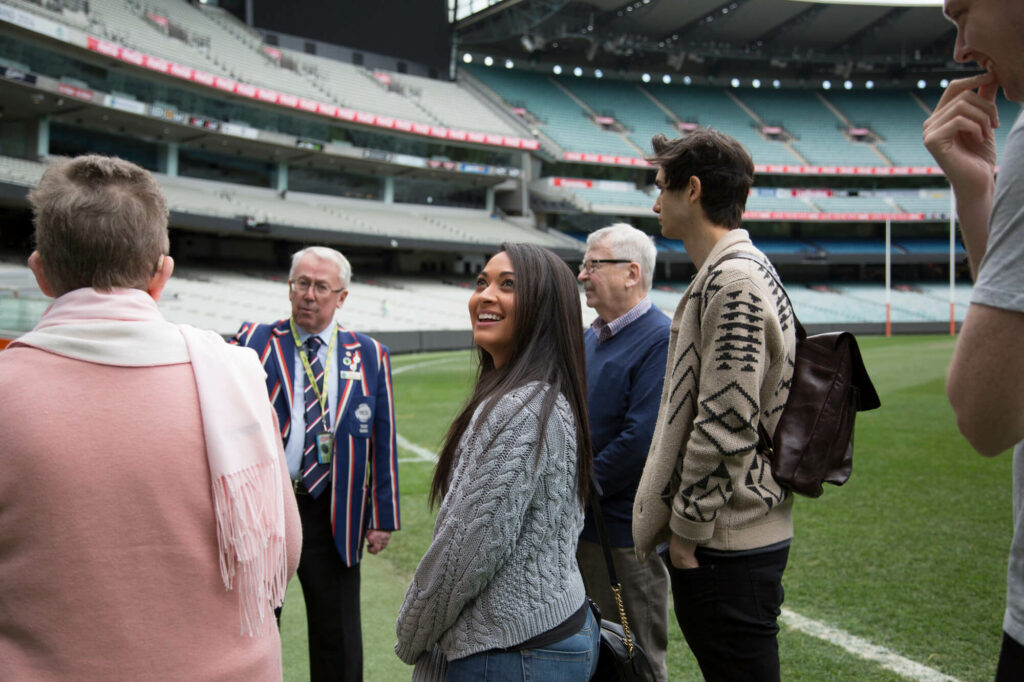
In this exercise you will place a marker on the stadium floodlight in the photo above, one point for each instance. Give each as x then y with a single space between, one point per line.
666 79
869 85
735 82
944 83
826 84
646 78
468 58
488 61
776 84
848 85
577 72
921 85
687 80
756 83
598 73
509 63
557 69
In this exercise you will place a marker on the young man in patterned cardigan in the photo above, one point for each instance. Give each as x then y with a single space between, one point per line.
706 492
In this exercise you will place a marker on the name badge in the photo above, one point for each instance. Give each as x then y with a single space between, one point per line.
363 416
324 447
347 375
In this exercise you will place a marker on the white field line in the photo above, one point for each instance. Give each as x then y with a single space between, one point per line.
890 660
421 454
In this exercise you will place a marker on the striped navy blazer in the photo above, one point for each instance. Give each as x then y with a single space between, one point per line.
364 470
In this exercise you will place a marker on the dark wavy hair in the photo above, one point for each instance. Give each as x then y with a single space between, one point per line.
547 348
723 166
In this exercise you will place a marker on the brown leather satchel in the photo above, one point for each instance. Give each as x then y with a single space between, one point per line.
813 441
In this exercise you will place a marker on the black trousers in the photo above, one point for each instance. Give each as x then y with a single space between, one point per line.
728 610
331 591
1011 661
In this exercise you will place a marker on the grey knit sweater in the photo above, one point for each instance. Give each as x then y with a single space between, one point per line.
502 565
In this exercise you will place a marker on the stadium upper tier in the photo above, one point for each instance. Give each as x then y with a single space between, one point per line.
216 43
423 224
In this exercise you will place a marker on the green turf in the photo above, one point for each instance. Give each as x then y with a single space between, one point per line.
910 554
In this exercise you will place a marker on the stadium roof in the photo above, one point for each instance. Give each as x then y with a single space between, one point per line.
707 35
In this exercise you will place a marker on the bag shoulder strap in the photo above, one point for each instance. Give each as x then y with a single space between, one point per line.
801 333
595 508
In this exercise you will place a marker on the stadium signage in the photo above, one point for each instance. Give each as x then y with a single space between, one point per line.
200 122
167 114
132 106
269 96
17 75
75 91
772 169
310 145
812 216
239 131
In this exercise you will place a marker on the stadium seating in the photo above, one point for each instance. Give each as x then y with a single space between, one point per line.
896 116
453 105
714 107
561 118
629 104
816 129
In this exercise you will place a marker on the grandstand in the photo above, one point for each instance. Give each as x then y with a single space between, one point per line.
263 141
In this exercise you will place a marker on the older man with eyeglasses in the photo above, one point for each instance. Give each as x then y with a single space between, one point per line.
626 349
331 388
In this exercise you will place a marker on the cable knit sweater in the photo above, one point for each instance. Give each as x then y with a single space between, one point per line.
502 564
730 363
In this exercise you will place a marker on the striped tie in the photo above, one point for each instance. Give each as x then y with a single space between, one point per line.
314 476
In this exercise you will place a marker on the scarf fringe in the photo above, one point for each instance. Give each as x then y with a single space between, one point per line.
251 541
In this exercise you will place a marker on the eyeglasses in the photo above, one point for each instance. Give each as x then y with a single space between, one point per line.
591 265
320 289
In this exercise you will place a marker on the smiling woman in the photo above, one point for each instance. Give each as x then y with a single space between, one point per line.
492 308
511 479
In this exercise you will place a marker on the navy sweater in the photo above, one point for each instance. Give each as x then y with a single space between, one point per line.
624 379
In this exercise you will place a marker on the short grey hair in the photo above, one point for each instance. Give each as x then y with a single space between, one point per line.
100 222
328 254
625 241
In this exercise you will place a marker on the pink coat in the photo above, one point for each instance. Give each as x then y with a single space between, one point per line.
108 548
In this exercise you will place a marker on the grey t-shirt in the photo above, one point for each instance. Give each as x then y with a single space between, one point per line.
1001 285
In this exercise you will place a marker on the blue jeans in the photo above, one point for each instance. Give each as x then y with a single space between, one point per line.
574 659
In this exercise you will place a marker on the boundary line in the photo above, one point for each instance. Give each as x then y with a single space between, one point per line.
862 648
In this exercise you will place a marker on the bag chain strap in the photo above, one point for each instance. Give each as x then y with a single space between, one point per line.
595 509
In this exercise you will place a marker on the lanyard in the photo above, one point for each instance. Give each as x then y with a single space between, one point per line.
322 397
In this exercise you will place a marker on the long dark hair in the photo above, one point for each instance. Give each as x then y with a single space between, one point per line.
547 348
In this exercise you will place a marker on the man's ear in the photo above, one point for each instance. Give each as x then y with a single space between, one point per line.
35 264
164 268
694 188
634 276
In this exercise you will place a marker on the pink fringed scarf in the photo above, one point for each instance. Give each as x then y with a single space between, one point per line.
125 328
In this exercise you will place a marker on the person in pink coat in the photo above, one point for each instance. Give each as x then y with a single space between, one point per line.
145 532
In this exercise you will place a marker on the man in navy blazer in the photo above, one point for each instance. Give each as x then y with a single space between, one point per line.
344 467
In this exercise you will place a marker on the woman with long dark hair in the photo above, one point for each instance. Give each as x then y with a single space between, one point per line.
498 593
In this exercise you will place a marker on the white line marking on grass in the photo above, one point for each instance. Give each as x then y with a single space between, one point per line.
425 363
890 660
422 454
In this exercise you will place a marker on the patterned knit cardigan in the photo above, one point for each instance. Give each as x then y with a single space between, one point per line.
730 363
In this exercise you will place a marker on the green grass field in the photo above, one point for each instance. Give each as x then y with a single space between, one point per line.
909 555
